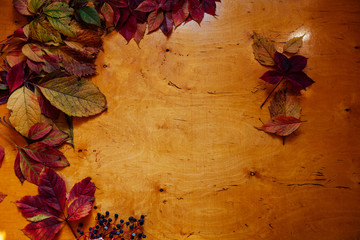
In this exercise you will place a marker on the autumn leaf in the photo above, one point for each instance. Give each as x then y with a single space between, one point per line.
35 5
30 169
33 52
89 15
62 25
284 103
25 110
58 10
108 12
293 45
76 66
281 125
155 19
196 10
147 6
128 29
264 50
2 196
140 32
74 97
47 211
42 153
168 24
42 31
15 77
22 7
17 168
2 155
39 130
180 12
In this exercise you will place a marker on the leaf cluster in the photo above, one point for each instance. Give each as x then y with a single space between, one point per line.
285 110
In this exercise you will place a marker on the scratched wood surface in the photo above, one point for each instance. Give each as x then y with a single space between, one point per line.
178 142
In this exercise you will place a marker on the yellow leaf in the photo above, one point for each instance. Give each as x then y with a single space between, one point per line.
41 30
293 45
264 50
79 98
25 110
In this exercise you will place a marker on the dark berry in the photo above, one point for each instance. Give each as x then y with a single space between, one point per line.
121 231
142 216
101 221
122 238
116 215
114 228
118 225
111 235
99 215
109 220
95 207
121 221
95 231
90 228
107 213
140 235
78 230
81 224
144 236
102 216
81 232
97 226
141 222
117 233
130 219
131 227
127 223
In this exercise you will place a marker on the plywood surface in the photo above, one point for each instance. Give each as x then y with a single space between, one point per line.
183 121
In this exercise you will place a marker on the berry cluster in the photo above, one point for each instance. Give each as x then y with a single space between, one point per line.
111 229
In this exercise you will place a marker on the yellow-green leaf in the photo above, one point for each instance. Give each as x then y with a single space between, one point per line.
74 97
62 25
264 50
42 31
58 10
34 5
38 218
25 110
293 45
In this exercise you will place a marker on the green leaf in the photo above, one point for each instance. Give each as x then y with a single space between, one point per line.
34 5
42 31
25 110
74 97
58 10
90 15
38 218
62 25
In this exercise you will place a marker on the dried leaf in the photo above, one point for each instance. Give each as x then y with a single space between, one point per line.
128 29
62 25
147 6
58 10
75 66
284 103
2 196
35 5
293 45
42 31
85 188
281 125
34 52
39 130
25 110
74 97
140 32
180 12
89 15
15 77
155 19
167 25
264 50
108 13
209 7
22 7
196 10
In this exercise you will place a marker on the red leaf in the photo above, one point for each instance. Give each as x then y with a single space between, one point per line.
3 196
272 77
167 25
155 19
42 153
2 154
84 188
39 130
15 77
29 168
129 29
299 80
76 67
147 6
196 10
43 230
22 7
281 125
46 108
51 63
209 6
55 138
140 32
298 63
119 3
36 67
180 12
52 189
124 16
282 62
116 16
17 168
108 13
31 206
62 162
80 208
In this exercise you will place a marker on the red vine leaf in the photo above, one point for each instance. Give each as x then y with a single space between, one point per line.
43 230
85 188
55 138
281 125
2 155
39 130
196 10
30 169
2 196
128 29
15 77
155 19
147 6
42 153
180 12
17 168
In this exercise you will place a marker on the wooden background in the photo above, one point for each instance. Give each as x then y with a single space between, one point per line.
183 121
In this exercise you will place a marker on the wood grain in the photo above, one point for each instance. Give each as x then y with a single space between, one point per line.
183 121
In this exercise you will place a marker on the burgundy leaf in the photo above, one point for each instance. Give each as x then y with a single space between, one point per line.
209 6
148 6
52 189
22 7
299 80
282 62
3 196
30 169
34 66
39 130
46 108
180 12
31 206
75 66
17 168
133 4
119 3
80 208
140 32
281 125
15 76
129 29
43 230
42 153
155 19
196 10
19 33
55 138
62 162
84 188
124 16
116 16
167 25
272 77
298 63
2 154
51 63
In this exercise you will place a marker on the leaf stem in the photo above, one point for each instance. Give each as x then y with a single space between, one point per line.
72 230
272 91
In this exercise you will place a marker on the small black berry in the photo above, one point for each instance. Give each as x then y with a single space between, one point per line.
95 207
